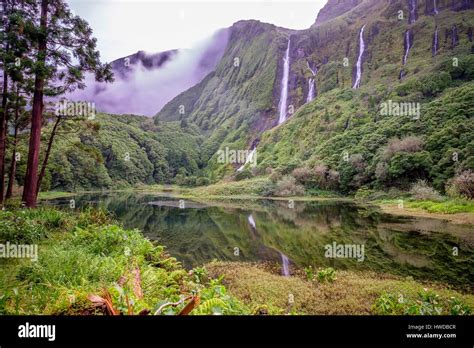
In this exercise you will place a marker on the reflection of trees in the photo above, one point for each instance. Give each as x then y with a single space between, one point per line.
196 236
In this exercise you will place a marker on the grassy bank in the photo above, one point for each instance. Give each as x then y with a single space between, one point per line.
351 293
87 264
457 211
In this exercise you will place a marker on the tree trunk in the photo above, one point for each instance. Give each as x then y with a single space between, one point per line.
11 177
3 132
31 178
3 118
48 151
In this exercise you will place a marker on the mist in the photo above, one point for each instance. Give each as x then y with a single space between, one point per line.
143 90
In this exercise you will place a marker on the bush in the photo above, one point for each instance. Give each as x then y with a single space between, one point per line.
268 189
244 174
326 275
287 186
408 144
425 303
421 191
461 185
303 176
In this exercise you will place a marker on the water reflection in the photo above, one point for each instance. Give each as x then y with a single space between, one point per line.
271 231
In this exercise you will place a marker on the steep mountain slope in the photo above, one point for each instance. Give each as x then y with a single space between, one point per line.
412 53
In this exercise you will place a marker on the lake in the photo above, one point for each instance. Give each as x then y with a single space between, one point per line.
297 234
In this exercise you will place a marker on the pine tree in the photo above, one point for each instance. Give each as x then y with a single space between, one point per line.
58 35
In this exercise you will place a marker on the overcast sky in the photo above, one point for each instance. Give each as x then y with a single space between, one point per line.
123 27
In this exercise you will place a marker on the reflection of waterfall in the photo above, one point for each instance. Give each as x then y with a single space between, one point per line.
435 8
285 263
311 83
408 45
454 36
284 85
412 10
359 60
249 159
252 222
435 47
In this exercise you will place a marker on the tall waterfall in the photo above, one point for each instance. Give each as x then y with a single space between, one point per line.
435 8
285 263
408 45
412 10
435 47
359 60
284 85
310 90
311 82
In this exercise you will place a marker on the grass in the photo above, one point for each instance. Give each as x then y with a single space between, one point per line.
87 254
450 206
351 293
55 194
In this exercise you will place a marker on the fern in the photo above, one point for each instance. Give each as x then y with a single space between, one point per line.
211 306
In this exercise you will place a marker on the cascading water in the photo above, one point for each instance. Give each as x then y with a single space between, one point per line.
310 90
285 265
435 47
435 8
252 222
248 159
311 82
359 60
284 85
412 10
408 44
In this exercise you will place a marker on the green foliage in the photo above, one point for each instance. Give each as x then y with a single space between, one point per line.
94 256
425 303
326 275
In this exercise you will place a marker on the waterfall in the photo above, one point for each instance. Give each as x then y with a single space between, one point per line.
435 8
285 270
310 90
248 159
252 222
412 9
284 85
407 46
311 82
434 50
359 60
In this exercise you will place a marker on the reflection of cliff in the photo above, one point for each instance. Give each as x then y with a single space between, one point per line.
392 244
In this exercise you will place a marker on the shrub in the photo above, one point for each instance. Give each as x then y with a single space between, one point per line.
287 186
426 303
326 275
461 185
309 272
244 174
202 181
303 175
408 144
268 189
275 176
421 191
364 193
